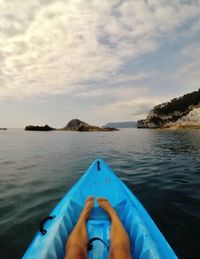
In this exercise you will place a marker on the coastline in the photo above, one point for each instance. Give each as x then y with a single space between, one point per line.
180 127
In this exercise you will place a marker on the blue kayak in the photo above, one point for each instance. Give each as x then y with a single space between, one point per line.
100 181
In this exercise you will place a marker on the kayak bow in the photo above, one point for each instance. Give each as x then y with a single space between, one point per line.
99 180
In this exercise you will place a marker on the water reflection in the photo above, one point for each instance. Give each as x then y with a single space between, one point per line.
178 142
161 167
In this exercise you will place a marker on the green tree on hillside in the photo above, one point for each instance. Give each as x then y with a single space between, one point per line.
179 104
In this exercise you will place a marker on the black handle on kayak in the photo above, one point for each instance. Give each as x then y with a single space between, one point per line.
41 227
90 246
98 166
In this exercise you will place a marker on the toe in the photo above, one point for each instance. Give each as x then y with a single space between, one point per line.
89 199
89 202
99 200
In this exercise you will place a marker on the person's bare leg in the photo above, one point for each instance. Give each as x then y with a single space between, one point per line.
76 247
120 243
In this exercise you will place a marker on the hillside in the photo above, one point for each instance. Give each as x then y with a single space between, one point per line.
183 111
78 125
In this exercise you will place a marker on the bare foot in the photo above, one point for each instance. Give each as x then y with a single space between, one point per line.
105 205
89 203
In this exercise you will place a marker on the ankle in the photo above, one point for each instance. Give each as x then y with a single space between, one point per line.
112 213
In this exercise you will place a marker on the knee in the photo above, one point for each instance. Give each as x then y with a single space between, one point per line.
120 245
74 246
74 251
120 251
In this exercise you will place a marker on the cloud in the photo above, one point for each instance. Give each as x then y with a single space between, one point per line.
55 47
121 103
188 73
122 110
118 93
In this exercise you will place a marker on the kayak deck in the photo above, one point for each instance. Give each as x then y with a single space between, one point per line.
99 181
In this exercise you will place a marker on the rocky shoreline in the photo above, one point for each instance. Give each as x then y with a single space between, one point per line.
39 128
179 113
176 127
73 125
78 125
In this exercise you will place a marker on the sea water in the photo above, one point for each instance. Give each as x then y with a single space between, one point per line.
162 168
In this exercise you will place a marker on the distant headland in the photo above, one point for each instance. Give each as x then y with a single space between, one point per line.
73 125
126 124
179 113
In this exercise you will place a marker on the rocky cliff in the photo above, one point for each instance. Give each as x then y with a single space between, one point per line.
39 128
182 112
78 125
75 124
191 120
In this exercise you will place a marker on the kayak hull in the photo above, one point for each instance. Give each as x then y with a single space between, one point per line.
100 181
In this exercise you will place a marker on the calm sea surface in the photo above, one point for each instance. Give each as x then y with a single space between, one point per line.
161 167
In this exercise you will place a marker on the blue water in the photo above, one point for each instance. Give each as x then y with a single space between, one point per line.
161 167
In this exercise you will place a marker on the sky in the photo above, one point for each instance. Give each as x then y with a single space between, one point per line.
97 60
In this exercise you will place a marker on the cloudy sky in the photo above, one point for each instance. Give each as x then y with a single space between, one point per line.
97 60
